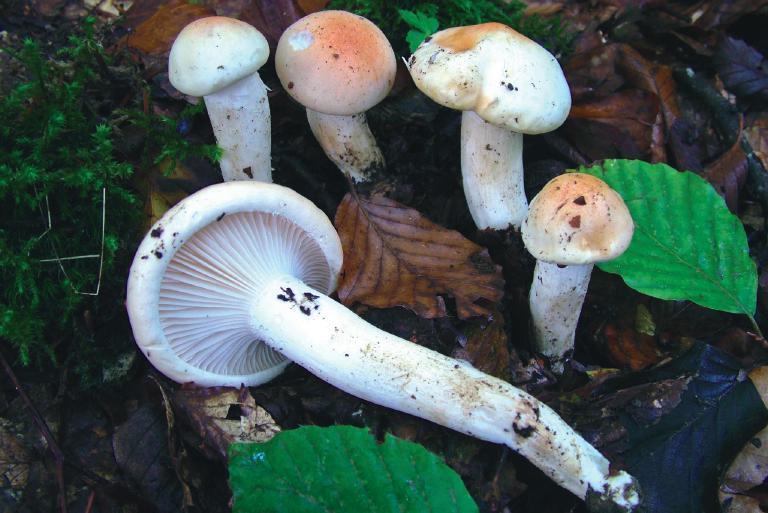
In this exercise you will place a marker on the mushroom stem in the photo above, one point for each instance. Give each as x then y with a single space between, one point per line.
241 123
333 343
492 173
348 142
557 294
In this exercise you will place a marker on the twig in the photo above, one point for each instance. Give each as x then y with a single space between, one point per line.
58 456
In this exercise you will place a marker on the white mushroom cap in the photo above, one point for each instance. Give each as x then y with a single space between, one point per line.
335 62
211 53
507 79
234 236
577 219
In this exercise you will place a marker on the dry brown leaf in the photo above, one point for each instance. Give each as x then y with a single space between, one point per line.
221 416
395 257
748 470
630 349
310 6
155 34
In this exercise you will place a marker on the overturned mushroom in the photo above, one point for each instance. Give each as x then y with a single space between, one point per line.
218 58
507 86
575 221
338 65
237 274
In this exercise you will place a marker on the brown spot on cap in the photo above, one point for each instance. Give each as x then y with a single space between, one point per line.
575 221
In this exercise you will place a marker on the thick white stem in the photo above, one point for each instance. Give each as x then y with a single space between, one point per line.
557 294
348 142
492 173
241 123
336 345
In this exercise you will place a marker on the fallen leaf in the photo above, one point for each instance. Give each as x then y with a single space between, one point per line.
155 34
395 257
141 451
487 349
728 173
708 15
310 6
221 416
14 461
671 435
271 17
750 467
630 349
743 69
160 191
757 136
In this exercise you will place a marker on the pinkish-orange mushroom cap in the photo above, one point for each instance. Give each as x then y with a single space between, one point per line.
335 62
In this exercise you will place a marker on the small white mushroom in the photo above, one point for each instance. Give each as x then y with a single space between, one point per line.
575 221
338 65
218 58
507 86
236 275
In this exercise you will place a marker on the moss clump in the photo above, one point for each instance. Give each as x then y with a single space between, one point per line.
70 218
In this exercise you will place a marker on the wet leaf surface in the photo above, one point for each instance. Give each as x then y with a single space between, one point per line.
656 424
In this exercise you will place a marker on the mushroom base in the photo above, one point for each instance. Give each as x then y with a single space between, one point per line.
348 142
556 297
241 123
336 345
492 173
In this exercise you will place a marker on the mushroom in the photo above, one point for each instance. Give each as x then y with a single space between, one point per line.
218 58
507 86
236 275
338 65
575 221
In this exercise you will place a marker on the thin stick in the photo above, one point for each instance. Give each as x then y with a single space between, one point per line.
58 456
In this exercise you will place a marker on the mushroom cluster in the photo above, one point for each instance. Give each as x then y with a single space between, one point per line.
506 85
233 280
232 283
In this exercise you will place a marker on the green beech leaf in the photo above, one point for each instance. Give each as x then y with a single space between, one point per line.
342 469
687 244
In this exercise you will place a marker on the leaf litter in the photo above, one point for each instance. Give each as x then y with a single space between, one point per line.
634 97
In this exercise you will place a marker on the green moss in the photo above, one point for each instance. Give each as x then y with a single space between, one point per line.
70 219
407 22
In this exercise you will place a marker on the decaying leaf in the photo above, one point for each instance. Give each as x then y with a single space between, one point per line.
221 416
757 136
161 191
487 347
271 17
141 451
155 34
728 173
628 348
14 461
674 427
393 256
743 69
